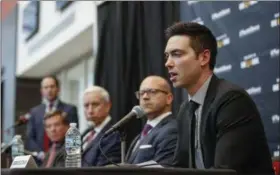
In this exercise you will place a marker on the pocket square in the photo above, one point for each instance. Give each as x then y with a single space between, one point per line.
145 146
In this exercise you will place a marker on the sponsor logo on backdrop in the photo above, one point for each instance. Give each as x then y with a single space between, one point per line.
249 61
274 52
192 2
254 90
275 87
198 20
249 30
246 4
223 40
275 119
220 14
223 68
276 21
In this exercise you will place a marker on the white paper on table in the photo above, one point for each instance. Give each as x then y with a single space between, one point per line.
149 164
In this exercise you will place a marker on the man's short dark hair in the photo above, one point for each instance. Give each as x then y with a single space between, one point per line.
54 78
60 113
201 38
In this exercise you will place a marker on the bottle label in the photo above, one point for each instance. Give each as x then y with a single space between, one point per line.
73 144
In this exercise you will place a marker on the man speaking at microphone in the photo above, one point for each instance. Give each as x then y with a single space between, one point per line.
158 138
97 106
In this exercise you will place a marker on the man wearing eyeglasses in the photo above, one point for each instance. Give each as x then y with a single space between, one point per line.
157 141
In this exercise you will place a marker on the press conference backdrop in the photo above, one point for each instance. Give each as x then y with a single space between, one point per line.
248 55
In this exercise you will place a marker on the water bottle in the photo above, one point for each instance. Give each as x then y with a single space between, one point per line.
73 146
17 146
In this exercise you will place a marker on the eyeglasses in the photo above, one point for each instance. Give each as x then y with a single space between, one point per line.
149 92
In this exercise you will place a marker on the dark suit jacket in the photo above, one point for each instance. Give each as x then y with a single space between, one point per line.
160 144
35 127
111 146
232 134
59 160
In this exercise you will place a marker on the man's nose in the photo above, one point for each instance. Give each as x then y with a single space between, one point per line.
145 95
52 129
90 110
169 63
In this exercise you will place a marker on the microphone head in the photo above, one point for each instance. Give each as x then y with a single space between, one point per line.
138 111
27 116
24 118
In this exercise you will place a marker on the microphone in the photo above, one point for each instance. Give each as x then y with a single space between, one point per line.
22 120
136 110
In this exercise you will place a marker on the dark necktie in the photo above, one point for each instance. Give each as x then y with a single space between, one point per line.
192 107
144 133
90 136
146 130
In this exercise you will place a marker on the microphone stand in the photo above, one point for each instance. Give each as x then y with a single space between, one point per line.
123 149
123 146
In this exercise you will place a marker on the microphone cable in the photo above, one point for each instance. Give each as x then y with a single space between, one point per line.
99 145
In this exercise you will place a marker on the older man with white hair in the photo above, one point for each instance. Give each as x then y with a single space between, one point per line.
97 106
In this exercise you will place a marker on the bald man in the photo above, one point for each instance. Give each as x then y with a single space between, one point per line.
157 141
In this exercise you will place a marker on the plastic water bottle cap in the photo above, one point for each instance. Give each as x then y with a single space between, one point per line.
73 124
18 136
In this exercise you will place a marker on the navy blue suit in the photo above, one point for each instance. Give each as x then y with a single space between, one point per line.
35 127
159 145
110 145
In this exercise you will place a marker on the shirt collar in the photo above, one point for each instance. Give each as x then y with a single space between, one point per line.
158 119
199 96
47 102
99 128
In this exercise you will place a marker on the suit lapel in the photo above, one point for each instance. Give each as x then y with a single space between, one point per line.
146 139
187 141
60 154
132 154
210 96
46 159
59 105
95 141
183 122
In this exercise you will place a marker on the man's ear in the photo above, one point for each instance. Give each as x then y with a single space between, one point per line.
204 57
169 99
108 106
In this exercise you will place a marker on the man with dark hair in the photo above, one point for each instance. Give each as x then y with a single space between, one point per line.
37 140
219 125
56 125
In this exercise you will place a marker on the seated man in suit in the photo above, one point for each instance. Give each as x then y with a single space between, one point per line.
37 139
219 126
158 138
56 126
97 106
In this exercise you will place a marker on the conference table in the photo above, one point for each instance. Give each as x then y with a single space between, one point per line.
114 171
